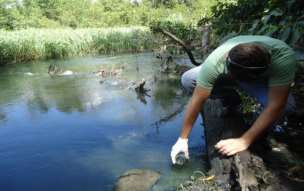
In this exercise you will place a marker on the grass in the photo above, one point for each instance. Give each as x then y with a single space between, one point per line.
33 44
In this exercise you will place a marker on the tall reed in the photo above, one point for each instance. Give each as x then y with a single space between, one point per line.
34 44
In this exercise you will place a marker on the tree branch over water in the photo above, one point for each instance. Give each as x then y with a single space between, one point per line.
186 48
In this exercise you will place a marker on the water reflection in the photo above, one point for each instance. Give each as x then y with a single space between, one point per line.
83 90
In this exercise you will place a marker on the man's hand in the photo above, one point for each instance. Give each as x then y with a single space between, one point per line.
181 145
229 147
277 98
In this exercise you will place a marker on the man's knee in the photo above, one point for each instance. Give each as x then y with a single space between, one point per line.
188 82
188 79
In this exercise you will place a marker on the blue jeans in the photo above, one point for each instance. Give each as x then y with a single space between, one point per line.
257 91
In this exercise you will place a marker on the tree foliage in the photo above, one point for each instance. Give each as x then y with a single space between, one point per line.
170 3
17 14
283 19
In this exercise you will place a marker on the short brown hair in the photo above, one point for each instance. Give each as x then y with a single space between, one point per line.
248 58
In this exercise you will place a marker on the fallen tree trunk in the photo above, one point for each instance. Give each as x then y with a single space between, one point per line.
244 171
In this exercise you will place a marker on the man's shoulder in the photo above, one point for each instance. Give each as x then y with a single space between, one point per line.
267 40
252 38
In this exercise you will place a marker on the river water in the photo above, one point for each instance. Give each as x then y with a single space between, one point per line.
81 131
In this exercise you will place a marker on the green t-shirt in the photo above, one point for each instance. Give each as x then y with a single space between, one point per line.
281 71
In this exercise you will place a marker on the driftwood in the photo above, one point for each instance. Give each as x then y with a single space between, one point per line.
142 91
245 171
140 88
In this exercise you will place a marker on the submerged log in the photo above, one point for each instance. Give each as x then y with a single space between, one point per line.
244 171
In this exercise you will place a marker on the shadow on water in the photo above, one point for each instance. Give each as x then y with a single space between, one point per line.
2 116
81 131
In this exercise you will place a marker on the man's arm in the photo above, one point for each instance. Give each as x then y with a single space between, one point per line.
277 98
200 95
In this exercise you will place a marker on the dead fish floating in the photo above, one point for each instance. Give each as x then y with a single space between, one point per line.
55 70
28 74
105 74
66 73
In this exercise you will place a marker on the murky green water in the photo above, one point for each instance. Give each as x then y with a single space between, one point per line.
81 131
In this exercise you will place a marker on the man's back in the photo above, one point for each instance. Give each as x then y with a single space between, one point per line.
281 71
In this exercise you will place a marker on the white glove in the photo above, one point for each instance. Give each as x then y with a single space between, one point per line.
181 145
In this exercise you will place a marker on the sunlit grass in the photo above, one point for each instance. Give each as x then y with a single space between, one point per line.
34 44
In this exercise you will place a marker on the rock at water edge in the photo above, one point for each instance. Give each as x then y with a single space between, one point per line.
136 180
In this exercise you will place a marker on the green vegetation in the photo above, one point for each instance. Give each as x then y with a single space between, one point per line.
32 44
277 18
43 29
228 18
17 14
